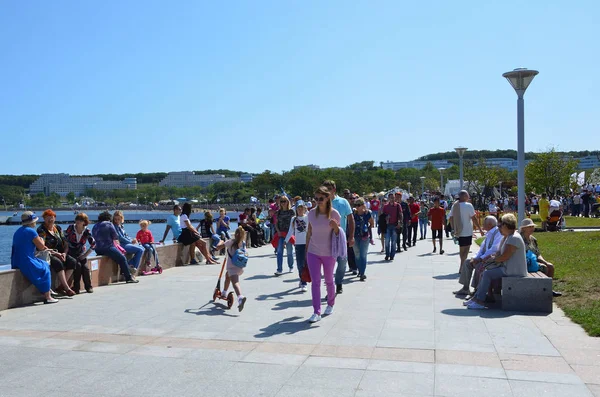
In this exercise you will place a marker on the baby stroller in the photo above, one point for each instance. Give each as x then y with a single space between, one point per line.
595 210
555 220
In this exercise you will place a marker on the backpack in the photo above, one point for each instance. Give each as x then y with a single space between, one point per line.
240 257
532 263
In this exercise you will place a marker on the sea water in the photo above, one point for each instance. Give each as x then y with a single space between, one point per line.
7 231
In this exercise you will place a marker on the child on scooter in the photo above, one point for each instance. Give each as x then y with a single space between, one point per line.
233 272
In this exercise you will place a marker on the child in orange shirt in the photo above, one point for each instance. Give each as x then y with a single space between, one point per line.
146 239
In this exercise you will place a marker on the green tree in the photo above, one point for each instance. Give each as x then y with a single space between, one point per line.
70 197
550 172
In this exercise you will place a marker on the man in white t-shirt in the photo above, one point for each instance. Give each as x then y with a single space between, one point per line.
462 217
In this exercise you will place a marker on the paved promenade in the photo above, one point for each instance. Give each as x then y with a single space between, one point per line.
400 333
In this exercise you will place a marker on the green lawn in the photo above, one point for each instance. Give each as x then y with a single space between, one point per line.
576 257
572 221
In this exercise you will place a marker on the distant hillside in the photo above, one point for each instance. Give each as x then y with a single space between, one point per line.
488 154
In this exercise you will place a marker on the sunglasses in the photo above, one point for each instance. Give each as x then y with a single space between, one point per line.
319 199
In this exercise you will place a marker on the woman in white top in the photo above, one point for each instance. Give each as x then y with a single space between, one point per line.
190 236
298 229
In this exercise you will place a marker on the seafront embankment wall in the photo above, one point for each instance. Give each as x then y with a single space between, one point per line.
16 290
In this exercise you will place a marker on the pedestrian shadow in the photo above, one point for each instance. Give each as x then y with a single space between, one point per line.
260 277
278 295
428 254
491 313
287 326
262 256
211 308
454 254
451 276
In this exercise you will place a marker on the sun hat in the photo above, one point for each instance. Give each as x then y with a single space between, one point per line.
300 203
28 218
527 223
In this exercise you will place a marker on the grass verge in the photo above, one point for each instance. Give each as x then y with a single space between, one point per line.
576 257
572 221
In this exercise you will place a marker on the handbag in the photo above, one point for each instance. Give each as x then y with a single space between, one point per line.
532 263
305 275
43 255
240 257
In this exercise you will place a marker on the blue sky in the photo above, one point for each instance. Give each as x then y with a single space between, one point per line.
143 86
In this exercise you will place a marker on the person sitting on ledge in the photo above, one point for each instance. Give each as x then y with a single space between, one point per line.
527 228
509 262
60 261
77 236
130 245
36 270
190 236
106 237
173 224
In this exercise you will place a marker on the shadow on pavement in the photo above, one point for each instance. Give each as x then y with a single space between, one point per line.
261 277
488 313
288 326
279 295
214 309
451 276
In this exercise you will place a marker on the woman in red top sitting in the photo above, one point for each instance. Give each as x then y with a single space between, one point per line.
146 239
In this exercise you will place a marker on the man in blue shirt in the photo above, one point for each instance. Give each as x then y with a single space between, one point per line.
173 224
342 206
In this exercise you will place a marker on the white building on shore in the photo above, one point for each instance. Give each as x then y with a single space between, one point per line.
64 184
395 166
190 179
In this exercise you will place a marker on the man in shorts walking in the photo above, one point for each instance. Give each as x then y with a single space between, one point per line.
462 218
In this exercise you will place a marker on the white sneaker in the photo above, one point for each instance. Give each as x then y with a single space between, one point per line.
328 310
314 318
466 303
303 288
278 273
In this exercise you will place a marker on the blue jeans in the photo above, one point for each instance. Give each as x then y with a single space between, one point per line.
116 255
390 241
361 247
340 270
290 254
137 252
267 231
375 217
300 259
150 251
423 227
486 280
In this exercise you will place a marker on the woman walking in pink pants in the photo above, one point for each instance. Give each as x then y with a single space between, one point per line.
322 222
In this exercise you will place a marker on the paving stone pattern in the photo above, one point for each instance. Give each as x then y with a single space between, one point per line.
400 333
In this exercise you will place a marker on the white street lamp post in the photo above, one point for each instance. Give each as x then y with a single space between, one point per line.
520 79
422 185
461 152
408 183
441 179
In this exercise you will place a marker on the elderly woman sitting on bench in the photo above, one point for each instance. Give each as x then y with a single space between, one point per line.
510 262
527 228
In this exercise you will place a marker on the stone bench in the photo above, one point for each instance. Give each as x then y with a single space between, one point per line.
16 290
527 294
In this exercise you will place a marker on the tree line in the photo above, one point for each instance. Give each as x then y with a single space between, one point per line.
549 172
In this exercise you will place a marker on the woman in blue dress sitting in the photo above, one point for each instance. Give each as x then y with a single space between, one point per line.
36 270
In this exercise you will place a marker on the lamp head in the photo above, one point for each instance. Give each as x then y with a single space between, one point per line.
520 78
460 151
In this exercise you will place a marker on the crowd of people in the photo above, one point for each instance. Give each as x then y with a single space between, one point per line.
328 234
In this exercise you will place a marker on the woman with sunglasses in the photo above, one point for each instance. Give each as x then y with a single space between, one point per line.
322 222
284 219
